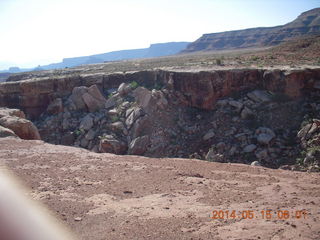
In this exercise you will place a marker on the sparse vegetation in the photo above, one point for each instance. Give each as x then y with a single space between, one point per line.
134 85
79 132
110 95
114 119
219 61
254 58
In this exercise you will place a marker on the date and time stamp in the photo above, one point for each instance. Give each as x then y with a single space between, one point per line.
261 214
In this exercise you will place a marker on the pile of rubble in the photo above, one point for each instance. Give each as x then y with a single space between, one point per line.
117 125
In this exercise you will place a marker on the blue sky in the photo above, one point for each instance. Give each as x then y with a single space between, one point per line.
38 32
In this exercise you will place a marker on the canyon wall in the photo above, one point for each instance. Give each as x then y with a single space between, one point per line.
200 89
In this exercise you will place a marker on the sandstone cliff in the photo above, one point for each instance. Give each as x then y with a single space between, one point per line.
308 23
201 89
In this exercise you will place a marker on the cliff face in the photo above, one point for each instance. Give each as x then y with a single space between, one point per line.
308 23
201 89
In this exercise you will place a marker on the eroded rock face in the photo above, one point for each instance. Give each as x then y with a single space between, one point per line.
199 89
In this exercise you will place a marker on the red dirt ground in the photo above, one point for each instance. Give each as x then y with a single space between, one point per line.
104 196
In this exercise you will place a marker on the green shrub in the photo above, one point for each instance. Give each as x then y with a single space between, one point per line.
114 119
79 132
134 85
219 61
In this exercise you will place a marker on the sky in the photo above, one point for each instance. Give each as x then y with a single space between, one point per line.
39 32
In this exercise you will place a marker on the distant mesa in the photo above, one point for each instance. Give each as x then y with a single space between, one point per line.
155 50
308 23
14 69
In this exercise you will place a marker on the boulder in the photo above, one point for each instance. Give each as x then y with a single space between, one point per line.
124 89
214 157
222 103
140 127
233 151
109 144
313 129
94 91
236 104
160 99
264 135
113 112
143 97
264 138
259 96
93 99
65 124
76 97
6 132
111 102
84 143
255 163
55 107
208 135
117 127
90 135
221 147
138 146
249 148
68 139
11 112
21 127
135 113
86 122
88 98
246 113
262 155
304 131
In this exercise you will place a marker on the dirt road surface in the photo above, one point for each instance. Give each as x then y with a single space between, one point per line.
104 196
